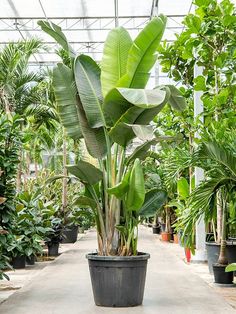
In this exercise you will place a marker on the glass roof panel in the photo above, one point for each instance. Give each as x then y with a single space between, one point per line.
86 23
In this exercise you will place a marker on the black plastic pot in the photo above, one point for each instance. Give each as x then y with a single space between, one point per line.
18 262
156 229
30 260
118 281
221 276
53 249
70 234
213 251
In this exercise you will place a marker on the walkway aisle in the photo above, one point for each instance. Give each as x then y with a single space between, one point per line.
64 286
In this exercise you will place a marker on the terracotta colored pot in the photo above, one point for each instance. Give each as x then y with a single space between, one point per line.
187 254
176 238
165 236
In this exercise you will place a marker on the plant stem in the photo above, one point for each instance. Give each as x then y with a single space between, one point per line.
222 257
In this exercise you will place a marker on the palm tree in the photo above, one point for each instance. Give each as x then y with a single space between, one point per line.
220 163
16 81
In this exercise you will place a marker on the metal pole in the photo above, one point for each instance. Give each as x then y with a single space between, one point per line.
200 252
116 13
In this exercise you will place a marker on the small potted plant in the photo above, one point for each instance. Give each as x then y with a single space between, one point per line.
108 106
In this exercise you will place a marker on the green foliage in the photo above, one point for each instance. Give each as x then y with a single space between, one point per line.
231 267
10 143
109 125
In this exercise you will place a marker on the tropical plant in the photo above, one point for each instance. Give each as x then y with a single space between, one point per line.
220 176
108 107
10 141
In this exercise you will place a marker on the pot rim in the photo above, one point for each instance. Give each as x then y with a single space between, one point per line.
229 243
140 257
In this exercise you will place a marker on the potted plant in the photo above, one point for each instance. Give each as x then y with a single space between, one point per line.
108 107
219 177
77 217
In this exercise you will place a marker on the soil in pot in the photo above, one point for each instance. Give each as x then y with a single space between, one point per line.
18 262
221 276
165 236
70 234
53 249
118 281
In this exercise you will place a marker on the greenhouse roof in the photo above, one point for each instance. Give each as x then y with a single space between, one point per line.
85 22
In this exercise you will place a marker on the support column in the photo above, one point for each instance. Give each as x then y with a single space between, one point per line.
200 252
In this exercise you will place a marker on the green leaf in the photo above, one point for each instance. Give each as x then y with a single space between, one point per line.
86 172
121 188
193 22
136 191
142 54
143 132
56 33
183 188
228 20
84 201
65 94
55 178
94 137
202 2
114 60
218 153
154 200
87 77
141 152
231 267
176 99
143 98
114 106
200 83
121 133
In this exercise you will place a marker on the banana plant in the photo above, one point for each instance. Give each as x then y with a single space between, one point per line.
108 107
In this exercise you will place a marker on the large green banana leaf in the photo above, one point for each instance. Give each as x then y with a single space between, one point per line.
143 98
154 200
95 139
142 54
65 94
143 132
122 133
87 77
86 172
119 100
114 60
136 191
55 32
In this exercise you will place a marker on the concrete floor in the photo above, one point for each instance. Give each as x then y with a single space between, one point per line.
63 287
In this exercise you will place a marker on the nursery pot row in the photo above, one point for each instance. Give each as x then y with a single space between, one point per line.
118 281
19 261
